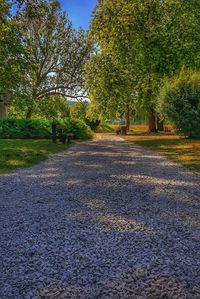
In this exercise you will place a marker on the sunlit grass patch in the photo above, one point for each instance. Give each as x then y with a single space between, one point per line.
133 128
15 162
178 149
138 128
19 153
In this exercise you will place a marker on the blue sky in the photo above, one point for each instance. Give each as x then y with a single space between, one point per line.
79 11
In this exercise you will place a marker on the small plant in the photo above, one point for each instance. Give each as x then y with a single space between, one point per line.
180 102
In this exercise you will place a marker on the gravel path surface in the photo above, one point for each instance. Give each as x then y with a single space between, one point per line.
105 219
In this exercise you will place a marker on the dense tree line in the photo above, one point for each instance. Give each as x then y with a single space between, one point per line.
133 50
139 44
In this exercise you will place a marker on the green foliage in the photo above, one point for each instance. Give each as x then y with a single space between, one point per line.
49 107
10 49
18 153
54 53
52 107
93 124
139 43
79 110
111 86
76 126
180 101
130 40
35 128
24 128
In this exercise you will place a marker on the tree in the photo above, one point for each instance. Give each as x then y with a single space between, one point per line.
179 100
111 89
50 107
79 110
150 39
128 35
10 56
10 49
54 53
53 107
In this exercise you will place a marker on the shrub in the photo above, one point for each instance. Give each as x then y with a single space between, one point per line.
93 124
36 128
76 126
180 101
24 128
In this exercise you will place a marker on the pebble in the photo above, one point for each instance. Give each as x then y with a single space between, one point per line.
105 219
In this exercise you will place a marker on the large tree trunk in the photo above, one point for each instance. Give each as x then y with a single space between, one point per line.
151 116
29 113
127 117
30 109
152 122
160 124
3 110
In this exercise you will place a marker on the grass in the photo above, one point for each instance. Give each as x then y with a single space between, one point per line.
133 128
18 153
106 128
176 148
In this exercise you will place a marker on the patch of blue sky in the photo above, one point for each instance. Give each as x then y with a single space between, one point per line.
79 11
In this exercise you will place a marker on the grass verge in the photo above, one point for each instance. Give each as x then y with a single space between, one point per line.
18 153
137 129
106 128
178 149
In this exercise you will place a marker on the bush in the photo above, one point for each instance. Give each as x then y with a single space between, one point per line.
36 128
93 124
24 128
76 126
180 101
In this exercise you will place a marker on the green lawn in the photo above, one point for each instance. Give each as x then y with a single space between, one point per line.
178 149
20 153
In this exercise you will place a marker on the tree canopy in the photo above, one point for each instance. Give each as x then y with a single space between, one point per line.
120 64
54 53
41 54
10 49
147 40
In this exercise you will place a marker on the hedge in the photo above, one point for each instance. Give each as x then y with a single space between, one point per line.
76 126
37 128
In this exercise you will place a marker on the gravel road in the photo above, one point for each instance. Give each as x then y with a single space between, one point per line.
105 219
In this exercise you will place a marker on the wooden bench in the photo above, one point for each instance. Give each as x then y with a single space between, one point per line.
167 129
57 132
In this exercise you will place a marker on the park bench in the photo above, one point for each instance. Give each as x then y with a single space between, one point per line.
167 129
57 132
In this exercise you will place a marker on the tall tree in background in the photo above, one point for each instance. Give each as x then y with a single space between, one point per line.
127 35
149 39
10 49
54 53
111 89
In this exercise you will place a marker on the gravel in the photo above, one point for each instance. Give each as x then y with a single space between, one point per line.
105 219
